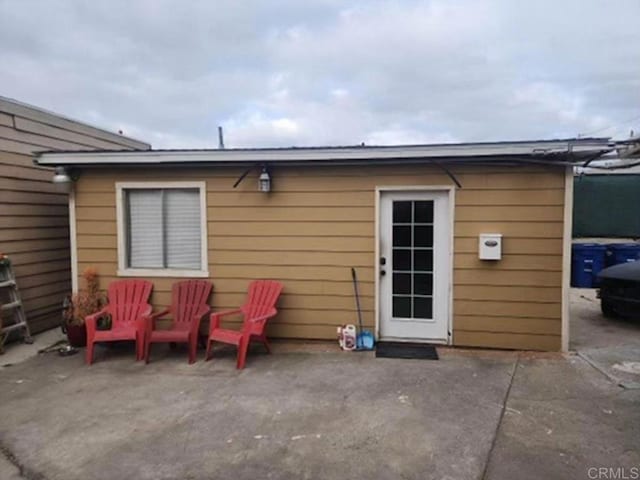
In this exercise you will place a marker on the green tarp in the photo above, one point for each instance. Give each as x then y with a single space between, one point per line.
606 206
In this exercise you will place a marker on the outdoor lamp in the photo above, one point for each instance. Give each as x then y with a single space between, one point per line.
61 176
62 180
264 181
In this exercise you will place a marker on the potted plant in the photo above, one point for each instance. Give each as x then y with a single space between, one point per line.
76 307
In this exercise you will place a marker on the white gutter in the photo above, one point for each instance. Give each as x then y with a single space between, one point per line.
540 149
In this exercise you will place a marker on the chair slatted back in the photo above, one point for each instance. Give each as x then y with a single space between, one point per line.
128 300
262 298
187 299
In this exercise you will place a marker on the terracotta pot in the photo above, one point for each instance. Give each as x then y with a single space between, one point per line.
77 335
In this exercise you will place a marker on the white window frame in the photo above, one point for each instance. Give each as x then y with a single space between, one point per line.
123 270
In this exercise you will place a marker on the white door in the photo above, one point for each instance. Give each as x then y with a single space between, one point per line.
415 265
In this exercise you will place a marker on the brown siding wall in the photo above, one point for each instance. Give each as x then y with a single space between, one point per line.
318 222
34 221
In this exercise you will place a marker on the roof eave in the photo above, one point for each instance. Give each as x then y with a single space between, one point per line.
544 151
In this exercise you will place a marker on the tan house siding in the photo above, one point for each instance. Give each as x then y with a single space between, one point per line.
34 216
320 221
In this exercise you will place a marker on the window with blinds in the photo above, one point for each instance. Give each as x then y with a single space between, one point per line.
163 228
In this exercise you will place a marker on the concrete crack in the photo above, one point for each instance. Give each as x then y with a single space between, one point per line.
619 382
24 471
485 470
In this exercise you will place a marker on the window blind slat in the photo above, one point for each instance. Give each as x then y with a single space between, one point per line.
145 228
183 236
164 229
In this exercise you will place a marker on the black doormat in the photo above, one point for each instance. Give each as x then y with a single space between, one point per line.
406 350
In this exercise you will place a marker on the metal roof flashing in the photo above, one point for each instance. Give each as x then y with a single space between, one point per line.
567 151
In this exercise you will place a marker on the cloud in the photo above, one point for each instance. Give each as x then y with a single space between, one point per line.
288 73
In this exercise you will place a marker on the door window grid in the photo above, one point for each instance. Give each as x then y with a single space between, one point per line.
413 297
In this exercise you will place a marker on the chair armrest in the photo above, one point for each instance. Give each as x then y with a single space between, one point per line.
142 321
150 320
155 316
261 320
216 316
264 317
94 316
90 320
197 318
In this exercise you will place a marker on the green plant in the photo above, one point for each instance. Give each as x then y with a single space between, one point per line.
85 302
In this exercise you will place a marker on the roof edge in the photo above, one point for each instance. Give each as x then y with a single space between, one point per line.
22 109
540 149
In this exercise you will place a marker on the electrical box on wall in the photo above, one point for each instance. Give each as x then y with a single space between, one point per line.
490 247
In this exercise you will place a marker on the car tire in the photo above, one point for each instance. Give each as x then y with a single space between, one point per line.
607 309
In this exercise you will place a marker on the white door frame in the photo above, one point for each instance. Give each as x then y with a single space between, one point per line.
413 188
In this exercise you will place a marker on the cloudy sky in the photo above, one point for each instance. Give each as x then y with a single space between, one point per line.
291 72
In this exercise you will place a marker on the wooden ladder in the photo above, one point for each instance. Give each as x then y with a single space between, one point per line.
12 315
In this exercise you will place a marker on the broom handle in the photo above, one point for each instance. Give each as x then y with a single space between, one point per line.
355 288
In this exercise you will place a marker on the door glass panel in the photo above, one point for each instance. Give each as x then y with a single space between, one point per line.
401 260
423 212
412 259
422 307
402 212
402 283
422 283
401 307
423 236
401 236
423 260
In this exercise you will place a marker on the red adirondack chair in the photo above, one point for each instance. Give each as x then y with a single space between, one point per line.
128 304
260 307
188 306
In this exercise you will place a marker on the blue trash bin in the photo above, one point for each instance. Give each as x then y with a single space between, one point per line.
587 259
622 253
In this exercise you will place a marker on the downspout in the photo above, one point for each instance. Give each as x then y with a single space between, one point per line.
73 238
567 238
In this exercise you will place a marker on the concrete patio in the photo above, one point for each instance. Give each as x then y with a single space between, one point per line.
314 412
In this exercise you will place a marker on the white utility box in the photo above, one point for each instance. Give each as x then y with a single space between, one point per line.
490 246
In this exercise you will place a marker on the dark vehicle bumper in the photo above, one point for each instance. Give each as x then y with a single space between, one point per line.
620 297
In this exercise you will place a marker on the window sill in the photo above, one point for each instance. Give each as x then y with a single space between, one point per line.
166 272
